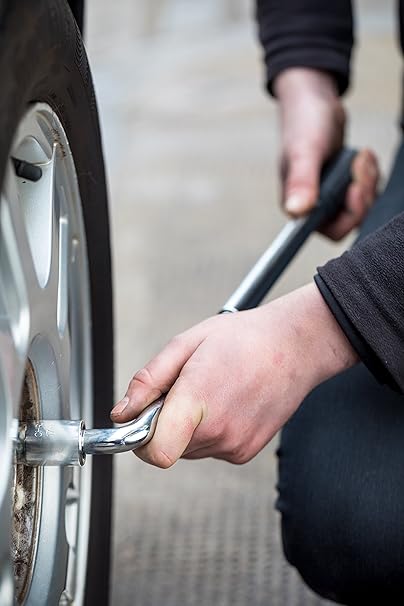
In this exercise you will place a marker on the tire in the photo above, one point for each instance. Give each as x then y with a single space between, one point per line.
43 65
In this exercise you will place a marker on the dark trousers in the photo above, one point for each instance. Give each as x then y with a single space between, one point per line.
341 474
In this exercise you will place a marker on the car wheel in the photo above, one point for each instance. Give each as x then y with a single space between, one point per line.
55 307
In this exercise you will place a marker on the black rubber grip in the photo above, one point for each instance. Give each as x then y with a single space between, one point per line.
337 176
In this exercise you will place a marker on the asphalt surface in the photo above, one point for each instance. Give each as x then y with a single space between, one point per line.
191 146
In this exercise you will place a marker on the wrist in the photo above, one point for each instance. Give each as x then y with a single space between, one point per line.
330 352
319 348
301 80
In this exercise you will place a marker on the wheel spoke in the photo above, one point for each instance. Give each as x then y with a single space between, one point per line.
36 202
43 217
56 292
52 546
63 263
17 278
62 349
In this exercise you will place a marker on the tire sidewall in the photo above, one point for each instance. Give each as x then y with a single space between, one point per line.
42 59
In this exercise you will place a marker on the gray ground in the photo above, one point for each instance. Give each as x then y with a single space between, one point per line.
191 147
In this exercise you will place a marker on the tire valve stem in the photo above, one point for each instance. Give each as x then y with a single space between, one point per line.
27 170
63 442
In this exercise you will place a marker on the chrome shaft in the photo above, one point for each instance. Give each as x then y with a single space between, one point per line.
61 442
126 437
267 269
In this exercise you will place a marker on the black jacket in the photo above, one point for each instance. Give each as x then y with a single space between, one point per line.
364 287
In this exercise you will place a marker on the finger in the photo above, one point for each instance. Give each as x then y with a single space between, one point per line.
360 196
366 173
158 375
356 208
181 414
301 185
237 456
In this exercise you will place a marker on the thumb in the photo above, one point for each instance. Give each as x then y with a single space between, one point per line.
158 376
301 184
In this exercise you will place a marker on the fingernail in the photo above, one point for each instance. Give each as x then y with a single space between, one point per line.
294 203
120 407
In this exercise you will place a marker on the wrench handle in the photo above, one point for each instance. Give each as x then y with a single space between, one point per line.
336 178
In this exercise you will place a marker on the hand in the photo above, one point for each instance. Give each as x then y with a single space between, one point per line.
234 380
312 130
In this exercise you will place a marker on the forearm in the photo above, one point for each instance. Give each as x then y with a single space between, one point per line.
316 341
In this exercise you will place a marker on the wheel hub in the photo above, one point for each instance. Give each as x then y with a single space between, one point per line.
26 496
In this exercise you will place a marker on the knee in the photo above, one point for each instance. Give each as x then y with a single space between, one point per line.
344 549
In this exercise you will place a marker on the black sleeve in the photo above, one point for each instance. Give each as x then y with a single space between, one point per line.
367 282
306 33
365 353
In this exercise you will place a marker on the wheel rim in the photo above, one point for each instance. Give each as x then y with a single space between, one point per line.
45 345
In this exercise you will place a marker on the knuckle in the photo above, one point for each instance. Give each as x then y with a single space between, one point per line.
143 376
241 458
212 433
176 341
238 454
296 152
296 159
337 235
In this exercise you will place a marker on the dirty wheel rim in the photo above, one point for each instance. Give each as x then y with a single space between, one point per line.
45 341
